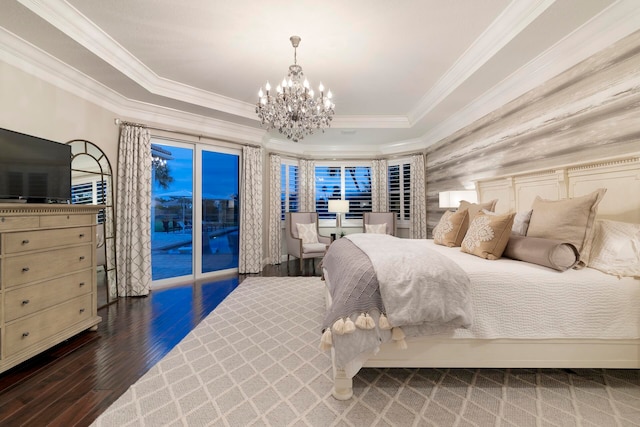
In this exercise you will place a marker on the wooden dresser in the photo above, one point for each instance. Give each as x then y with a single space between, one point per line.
47 277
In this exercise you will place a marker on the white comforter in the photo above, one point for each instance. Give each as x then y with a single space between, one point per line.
515 299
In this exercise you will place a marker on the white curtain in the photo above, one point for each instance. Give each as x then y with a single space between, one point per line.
306 184
379 186
133 213
418 209
250 257
275 210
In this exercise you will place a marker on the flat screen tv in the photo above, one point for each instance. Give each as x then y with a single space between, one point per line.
33 170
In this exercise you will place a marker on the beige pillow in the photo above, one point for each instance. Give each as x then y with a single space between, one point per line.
567 220
308 232
554 254
376 228
451 229
616 248
474 208
488 235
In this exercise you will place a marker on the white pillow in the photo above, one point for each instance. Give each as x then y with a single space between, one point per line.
521 223
616 248
307 232
376 228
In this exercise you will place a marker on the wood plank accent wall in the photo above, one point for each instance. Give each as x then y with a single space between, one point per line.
589 112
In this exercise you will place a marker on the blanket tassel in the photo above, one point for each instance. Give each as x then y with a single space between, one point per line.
384 323
338 326
365 321
325 341
369 322
349 326
397 335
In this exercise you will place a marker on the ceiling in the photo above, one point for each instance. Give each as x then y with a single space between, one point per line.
404 74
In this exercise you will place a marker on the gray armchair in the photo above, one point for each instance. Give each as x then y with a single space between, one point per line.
295 246
388 218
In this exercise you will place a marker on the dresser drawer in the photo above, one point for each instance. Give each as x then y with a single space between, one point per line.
33 329
30 299
66 220
8 223
45 239
27 268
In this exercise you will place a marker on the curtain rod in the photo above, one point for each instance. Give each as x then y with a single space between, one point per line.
120 122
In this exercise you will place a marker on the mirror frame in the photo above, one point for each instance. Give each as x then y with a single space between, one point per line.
81 147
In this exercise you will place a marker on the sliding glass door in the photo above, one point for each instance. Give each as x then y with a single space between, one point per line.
195 212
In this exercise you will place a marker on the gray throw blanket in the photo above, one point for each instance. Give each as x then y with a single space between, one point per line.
354 285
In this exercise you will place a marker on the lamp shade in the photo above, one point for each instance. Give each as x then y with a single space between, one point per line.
339 206
451 199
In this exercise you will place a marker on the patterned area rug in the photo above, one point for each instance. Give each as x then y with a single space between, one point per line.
255 360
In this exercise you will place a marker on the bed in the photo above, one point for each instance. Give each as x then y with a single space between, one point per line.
525 315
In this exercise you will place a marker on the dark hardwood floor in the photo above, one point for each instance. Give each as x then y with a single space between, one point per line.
72 383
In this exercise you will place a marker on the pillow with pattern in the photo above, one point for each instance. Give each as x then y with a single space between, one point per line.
451 228
308 232
376 228
488 235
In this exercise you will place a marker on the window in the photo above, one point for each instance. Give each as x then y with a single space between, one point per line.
398 174
90 192
289 187
350 182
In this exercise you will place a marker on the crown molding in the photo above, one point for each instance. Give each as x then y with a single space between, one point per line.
619 20
515 18
32 60
614 23
28 58
323 151
74 24
370 122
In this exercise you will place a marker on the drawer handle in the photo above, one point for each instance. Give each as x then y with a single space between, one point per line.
82 235
25 334
82 310
81 283
82 258
25 242
25 302
25 269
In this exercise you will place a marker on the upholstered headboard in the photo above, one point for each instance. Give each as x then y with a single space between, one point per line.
621 178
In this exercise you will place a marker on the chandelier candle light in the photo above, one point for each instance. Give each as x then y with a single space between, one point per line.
293 109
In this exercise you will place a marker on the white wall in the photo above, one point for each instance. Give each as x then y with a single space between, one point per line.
32 106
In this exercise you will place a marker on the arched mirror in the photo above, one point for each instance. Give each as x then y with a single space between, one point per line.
91 183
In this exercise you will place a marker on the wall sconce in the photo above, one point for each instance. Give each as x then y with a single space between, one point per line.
451 199
338 207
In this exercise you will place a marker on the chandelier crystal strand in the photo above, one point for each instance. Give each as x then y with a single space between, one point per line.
293 109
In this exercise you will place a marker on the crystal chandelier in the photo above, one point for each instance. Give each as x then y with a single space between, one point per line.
293 109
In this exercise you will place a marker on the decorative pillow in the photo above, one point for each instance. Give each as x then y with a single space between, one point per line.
474 208
308 232
554 254
488 235
567 220
521 223
376 228
451 229
616 248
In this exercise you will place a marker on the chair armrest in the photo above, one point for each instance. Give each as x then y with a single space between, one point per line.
324 239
